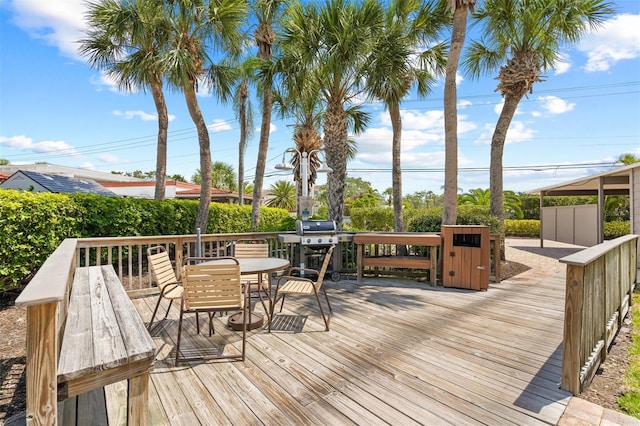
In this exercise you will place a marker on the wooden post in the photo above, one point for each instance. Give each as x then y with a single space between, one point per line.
572 327
42 360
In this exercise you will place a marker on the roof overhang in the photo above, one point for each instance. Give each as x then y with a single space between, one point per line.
613 182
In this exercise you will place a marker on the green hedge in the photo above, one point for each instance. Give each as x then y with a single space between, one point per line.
431 220
522 228
32 225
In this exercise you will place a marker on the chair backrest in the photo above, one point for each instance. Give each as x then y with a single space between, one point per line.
161 267
325 265
251 249
213 284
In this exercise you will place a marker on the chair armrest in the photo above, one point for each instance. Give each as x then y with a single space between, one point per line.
190 259
305 270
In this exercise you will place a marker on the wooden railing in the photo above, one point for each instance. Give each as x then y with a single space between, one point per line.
599 284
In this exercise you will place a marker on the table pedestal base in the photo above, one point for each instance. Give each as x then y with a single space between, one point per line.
255 321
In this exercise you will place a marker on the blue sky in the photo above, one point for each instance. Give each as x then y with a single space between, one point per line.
55 108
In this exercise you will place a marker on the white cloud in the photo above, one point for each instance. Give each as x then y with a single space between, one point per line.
24 143
617 40
563 65
109 158
128 115
518 132
87 165
555 105
219 125
60 23
103 81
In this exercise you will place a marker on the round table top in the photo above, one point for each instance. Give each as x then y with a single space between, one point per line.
255 265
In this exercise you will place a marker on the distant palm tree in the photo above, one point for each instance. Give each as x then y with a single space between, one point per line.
482 197
405 55
458 34
244 112
222 176
283 195
520 39
628 158
126 39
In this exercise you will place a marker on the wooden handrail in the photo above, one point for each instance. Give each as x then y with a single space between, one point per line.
599 285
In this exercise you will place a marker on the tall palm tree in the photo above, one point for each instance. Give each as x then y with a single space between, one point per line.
125 39
244 112
397 63
267 12
331 42
458 34
201 27
520 39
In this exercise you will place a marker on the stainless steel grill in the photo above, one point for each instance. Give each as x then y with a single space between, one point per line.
316 232
313 238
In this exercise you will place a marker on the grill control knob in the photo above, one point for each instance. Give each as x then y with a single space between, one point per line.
308 240
319 240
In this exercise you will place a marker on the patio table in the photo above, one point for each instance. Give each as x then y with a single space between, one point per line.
259 266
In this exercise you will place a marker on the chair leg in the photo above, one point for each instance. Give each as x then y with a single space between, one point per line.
155 311
245 318
179 334
326 321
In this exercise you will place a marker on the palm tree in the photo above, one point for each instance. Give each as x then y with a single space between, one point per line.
125 39
331 43
267 12
244 113
458 35
283 195
520 39
222 176
628 158
198 28
396 64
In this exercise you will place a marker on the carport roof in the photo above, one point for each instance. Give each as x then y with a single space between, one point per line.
614 182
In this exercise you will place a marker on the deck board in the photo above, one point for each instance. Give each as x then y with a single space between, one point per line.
399 352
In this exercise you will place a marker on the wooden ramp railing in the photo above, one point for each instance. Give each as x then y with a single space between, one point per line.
599 284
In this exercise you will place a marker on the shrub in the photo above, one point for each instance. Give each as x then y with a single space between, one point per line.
522 228
31 227
431 220
616 229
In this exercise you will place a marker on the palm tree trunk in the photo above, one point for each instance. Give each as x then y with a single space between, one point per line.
335 148
497 149
161 150
265 127
205 157
495 170
242 146
396 173
450 202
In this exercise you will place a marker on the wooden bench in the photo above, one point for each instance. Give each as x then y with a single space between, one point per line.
83 333
429 262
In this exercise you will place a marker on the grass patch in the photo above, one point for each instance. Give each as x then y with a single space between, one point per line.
630 401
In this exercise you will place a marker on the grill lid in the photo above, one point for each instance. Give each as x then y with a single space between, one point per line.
305 227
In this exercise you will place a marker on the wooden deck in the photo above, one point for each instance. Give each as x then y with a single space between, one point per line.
399 352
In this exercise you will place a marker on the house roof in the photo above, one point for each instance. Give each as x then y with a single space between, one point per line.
53 169
59 183
614 182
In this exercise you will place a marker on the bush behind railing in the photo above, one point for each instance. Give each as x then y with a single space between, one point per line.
32 225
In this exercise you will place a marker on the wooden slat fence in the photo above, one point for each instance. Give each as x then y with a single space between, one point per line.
599 284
